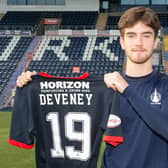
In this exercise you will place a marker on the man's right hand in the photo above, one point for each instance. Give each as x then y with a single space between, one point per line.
24 78
115 81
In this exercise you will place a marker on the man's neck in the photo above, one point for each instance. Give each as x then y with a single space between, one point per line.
137 70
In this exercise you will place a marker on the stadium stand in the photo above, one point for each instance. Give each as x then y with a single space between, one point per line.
20 22
59 55
26 23
70 53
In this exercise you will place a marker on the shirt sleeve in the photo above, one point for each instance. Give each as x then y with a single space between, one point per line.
156 117
113 132
22 126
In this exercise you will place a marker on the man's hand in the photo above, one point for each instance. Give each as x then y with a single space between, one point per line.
115 81
24 78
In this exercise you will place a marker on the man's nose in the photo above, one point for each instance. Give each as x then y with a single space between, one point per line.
139 40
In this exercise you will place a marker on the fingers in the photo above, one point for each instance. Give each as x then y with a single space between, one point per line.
24 78
108 79
115 81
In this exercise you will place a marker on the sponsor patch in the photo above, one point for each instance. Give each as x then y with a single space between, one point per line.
113 121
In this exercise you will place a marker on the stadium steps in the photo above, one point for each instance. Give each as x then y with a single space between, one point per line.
165 61
1 15
165 43
166 66
165 48
101 21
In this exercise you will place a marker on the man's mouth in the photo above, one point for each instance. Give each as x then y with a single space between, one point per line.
138 50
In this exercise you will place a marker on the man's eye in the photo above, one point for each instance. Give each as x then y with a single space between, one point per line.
147 36
130 36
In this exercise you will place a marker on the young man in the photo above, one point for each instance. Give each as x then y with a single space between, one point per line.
143 96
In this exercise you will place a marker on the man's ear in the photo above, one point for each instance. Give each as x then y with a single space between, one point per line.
122 42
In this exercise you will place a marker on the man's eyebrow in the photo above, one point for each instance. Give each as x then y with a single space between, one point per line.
147 32
130 33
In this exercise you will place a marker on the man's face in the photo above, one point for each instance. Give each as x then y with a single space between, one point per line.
138 42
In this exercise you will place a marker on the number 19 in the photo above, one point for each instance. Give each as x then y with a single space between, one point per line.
84 135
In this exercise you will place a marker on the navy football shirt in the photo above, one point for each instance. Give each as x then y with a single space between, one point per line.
66 117
144 115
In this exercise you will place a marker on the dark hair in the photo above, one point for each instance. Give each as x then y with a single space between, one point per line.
136 14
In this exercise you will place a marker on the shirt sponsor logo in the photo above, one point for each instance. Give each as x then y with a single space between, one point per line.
155 97
64 85
113 121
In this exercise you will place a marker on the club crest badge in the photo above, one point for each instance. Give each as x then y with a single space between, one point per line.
155 97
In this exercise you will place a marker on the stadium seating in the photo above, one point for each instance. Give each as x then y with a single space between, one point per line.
79 20
27 22
112 22
163 19
20 21
59 54
12 50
